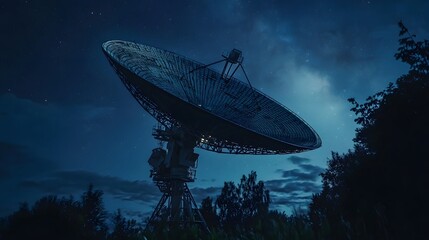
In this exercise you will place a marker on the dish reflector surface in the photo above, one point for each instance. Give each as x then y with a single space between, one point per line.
224 115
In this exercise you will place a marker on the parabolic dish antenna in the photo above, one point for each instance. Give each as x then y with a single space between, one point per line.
227 115
199 107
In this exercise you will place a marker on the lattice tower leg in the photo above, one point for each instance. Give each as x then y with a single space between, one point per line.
177 208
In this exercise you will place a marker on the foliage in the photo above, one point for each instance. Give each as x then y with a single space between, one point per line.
239 206
377 191
64 218
124 229
94 214
242 212
49 218
208 211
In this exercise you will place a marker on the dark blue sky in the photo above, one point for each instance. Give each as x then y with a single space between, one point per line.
66 120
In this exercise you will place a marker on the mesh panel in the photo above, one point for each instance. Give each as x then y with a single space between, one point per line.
233 100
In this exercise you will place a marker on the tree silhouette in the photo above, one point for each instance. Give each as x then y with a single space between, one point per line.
208 210
378 190
64 218
59 218
255 198
49 218
229 206
240 205
124 229
94 214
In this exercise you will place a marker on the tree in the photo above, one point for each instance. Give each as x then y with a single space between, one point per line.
240 205
94 214
228 204
208 211
49 218
64 218
397 135
255 198
378 189
124 229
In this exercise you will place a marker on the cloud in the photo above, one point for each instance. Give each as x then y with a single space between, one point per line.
70 182
137 215
50 130
297 174
141 192
305 172
298 160
290 186
313 169
305 187
201 193
290 201
288 193
18 161
296 186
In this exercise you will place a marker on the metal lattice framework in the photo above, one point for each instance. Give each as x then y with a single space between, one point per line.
228 116
164 206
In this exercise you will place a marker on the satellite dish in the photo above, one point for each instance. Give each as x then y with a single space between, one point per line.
199 107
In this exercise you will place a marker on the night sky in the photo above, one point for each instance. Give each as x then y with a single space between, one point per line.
66 120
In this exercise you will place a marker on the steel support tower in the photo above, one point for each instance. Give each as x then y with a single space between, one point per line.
171 171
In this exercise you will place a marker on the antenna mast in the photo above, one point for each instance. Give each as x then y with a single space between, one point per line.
171 170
